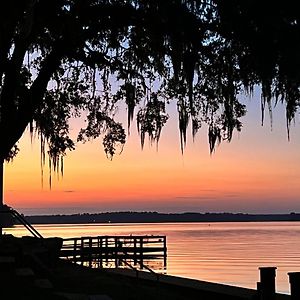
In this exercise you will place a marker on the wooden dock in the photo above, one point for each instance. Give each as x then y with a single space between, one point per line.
135 252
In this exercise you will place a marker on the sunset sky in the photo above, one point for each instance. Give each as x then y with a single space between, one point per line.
258 172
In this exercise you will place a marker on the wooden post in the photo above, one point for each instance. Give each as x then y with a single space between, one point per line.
134 251
165 253
82 250
116 252
141 254
267 283
106 249
75 250
294 279
101 253
98 252
90 251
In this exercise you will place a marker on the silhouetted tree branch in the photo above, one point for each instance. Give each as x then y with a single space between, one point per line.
62 58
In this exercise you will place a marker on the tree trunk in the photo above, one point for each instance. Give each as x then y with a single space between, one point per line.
1 189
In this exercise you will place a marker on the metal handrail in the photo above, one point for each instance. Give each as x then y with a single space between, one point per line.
23 221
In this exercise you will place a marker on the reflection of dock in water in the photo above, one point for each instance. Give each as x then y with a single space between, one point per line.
136 252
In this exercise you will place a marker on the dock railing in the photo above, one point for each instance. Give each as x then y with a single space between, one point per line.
140 252
7 211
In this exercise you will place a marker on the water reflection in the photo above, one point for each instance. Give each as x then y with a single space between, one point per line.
228 253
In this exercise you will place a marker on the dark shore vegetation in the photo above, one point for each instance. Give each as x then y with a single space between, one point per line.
155 217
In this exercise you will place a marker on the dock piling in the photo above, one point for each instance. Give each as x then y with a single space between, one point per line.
141 254
294 279
266 286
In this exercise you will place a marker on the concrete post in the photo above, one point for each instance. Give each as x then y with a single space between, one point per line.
267 283
294 278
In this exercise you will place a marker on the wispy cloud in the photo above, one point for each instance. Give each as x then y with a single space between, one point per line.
195 197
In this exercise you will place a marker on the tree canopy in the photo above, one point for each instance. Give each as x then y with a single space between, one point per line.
63 59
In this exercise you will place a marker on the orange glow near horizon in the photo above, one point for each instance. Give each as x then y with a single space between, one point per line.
259 171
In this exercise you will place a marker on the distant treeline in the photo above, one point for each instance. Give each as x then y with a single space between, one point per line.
154 217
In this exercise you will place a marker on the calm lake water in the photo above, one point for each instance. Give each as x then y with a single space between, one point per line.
227 253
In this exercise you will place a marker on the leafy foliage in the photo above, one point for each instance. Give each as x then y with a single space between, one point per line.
151 119
266 40
63 59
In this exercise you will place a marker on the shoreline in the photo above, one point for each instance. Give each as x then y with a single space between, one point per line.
155 217
66 281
